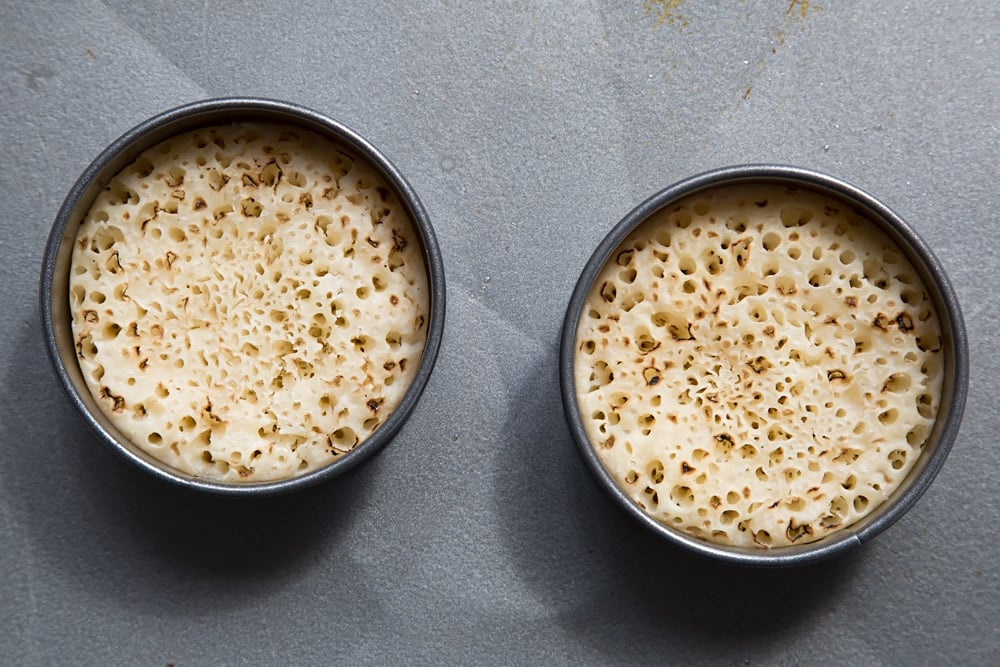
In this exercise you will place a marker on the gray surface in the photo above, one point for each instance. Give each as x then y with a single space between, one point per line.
528 129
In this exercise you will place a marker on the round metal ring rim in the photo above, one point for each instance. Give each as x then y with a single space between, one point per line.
897 229
214 111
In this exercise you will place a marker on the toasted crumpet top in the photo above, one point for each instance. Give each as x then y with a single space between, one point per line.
758 365
249 301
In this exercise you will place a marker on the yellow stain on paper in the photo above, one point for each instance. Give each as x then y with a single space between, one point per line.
803 6
666 12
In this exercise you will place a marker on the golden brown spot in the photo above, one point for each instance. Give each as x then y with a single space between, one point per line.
113 264
119 402
678 334
796 531
646 344
724 439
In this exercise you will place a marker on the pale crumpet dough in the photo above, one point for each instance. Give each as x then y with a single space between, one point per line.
249 301
758 365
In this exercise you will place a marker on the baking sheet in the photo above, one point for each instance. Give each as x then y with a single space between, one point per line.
528 129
